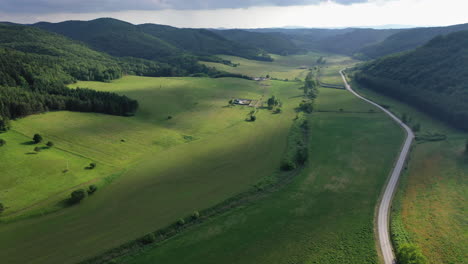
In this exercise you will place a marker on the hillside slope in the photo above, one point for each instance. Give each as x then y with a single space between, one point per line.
35 65
272 42
407 40
432 78
201 41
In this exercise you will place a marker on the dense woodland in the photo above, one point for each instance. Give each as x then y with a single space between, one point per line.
433 77
405 40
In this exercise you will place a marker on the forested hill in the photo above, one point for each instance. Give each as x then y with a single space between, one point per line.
35 65
407 40
277 43
153 42
342 41
433 78
203 42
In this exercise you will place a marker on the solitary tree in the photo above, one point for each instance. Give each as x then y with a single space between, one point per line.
92 165
2 142
37 138
77 196
2 208
50 144
37 149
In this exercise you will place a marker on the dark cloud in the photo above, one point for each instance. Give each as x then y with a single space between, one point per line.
86 6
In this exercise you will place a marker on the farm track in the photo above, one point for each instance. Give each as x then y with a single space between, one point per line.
383 215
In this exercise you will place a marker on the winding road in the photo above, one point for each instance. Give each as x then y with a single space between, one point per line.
384 207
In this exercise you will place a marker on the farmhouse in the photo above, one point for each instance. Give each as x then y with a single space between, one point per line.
260 78
242 101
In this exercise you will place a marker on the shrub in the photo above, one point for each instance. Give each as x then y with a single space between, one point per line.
410 254
92 189
2 142
302 155
2 208
278 110
37 149
181 222
195 215
169 117
253 118
77 196
287 165
92 165
50 144
307 107
37 138
148 239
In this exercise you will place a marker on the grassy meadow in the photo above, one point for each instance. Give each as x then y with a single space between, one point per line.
430 205
203 155
324 216
283 67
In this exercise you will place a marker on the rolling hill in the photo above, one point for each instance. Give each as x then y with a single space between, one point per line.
432 77
341 41
407 40
150 41
277 43
202 42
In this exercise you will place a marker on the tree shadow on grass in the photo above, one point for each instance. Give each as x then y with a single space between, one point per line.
31 153
28 143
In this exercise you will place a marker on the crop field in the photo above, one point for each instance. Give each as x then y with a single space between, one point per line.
284 67
431 201
204 154
324 216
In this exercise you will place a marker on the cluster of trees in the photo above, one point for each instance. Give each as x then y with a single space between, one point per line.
410 254
78 195
310 86
18 102
310 92
296 153
432 78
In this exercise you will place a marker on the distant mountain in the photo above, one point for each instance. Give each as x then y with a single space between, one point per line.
407 40
272 42
341 41
433 77
350 42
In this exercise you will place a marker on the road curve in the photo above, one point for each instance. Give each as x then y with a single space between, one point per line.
384 207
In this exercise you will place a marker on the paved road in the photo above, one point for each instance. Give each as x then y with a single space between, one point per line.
384 208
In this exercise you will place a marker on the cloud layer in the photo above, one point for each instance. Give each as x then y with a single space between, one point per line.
87 6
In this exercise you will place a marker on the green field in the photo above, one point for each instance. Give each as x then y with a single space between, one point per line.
324 216
328 71
283 67
206 153
431 201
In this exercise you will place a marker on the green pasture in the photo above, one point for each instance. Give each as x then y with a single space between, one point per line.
283 67
325 216
205 154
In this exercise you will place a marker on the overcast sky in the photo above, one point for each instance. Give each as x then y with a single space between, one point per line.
243 13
